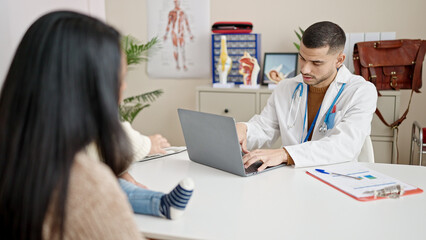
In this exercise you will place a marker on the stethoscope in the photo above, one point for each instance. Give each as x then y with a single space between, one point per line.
299 88
297 93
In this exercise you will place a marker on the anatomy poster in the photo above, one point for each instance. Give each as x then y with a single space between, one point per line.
183 28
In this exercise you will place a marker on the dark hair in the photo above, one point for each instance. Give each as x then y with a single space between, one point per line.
60 94
322 34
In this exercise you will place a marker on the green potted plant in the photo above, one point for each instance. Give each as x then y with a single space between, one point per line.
299 36
135 54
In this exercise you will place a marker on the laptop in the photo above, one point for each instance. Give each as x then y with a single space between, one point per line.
212 140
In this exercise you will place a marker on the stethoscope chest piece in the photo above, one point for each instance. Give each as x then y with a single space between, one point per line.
323 128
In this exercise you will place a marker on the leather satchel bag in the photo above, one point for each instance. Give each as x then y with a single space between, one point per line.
391 65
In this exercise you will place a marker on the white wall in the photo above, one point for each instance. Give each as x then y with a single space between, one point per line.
17 15
275 20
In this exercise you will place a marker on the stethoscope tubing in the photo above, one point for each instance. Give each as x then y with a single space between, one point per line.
293 97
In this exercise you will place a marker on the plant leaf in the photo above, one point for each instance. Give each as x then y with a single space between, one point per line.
297 46
136 52
144 97
298 35
129 112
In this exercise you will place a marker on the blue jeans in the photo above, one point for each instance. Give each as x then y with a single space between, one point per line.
143 201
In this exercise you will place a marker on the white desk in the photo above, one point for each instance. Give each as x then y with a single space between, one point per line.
285 203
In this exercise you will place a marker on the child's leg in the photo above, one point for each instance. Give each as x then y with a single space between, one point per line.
143 201
171 205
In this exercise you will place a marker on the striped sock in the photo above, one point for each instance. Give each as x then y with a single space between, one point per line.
172 205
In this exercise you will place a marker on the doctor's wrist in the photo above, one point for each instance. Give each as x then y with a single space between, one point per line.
242 126
289 158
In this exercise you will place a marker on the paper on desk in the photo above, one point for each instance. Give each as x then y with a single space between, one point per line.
169 151
370 179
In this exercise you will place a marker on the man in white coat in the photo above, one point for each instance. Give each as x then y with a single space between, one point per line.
323 115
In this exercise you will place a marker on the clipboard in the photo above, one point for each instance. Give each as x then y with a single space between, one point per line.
362 183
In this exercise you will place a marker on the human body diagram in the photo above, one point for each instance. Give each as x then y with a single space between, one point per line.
177 25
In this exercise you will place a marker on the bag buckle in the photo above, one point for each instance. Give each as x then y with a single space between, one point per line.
393 82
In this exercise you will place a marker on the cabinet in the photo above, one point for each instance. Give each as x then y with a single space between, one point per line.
242 104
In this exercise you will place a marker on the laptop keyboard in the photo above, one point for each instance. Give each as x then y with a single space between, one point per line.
253 167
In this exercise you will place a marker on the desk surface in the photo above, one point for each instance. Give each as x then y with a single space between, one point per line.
285 203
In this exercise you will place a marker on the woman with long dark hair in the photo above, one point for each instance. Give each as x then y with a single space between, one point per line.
58 121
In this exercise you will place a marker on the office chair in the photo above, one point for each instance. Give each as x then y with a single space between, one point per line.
417 133
367 151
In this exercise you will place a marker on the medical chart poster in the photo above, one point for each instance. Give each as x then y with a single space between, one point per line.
183 28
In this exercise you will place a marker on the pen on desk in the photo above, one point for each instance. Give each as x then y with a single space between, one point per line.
338 174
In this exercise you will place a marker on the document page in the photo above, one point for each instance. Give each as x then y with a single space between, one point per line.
355 179
169 151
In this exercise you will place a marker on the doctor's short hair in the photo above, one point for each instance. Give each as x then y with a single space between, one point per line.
322 34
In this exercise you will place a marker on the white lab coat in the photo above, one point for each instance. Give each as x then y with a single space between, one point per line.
354 112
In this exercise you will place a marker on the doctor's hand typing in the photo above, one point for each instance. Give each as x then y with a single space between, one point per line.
268 157
242 136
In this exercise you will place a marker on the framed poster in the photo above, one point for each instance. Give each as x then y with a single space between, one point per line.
183 28
279 66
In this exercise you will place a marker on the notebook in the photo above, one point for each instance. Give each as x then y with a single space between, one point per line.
212 140
362 183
